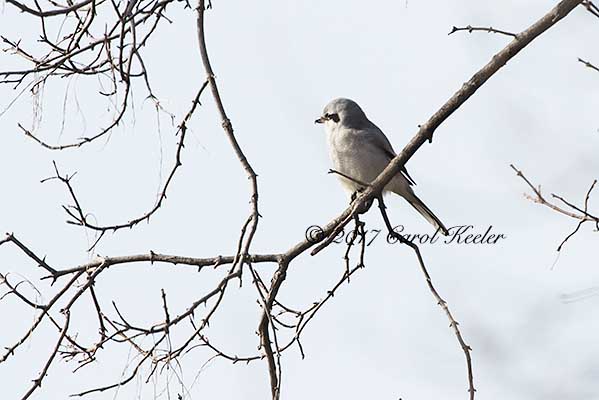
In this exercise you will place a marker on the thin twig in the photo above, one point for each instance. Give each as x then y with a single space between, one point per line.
581 214
588 64
228 128
38 381
471 29
453 324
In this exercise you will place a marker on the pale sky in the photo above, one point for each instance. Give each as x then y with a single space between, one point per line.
277 64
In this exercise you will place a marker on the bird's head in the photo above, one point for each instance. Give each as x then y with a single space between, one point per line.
342 112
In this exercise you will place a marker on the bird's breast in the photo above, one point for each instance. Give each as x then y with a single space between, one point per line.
354 156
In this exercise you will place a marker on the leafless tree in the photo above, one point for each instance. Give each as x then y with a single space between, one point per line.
105 40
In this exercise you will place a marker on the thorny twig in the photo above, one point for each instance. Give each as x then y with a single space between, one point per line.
85 52
581 214
247 235
453 324
471 29
79 216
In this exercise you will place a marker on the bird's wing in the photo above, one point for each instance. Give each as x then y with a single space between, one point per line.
380 141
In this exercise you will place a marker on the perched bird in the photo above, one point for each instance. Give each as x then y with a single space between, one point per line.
360 151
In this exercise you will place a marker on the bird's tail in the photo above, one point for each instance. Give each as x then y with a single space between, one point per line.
427 213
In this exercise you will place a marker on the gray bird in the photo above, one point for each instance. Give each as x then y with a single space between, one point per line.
360 151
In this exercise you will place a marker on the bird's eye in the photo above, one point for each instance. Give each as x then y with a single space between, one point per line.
333 116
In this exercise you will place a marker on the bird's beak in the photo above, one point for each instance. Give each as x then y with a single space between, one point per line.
320 120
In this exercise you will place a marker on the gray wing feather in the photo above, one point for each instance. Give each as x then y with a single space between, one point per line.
380 141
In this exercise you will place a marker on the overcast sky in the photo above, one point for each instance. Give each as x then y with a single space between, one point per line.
277 64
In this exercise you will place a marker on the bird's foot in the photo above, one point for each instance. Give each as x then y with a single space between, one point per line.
364 207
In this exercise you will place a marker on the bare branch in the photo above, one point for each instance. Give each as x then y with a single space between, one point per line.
51 13
588 64
152 257
41 262
442 303
471 29
38 381
228 128
581 214
79 216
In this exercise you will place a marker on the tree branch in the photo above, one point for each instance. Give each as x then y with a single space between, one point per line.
583 215
588 64
471 29
228 128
